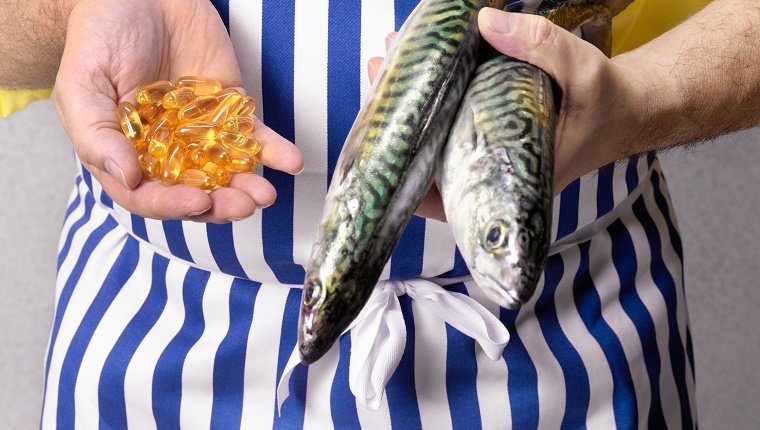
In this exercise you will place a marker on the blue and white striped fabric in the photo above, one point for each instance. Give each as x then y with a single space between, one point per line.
168 324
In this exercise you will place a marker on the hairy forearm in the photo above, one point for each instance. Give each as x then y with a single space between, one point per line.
32 35
699 80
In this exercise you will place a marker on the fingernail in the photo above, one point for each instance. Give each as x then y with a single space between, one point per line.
232 219
114 170
199 212
497 21
372 69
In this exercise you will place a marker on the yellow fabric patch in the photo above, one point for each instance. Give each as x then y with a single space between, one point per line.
644 20
13 100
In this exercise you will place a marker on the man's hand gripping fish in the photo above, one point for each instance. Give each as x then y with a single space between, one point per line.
496 171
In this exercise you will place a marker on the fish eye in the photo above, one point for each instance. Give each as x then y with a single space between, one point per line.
312 292
496 235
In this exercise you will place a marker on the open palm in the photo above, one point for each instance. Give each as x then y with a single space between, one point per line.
112 48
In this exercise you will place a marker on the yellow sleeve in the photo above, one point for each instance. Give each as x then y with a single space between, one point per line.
643 20
12 100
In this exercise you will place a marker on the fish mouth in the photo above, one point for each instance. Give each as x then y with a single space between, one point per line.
311 346
504 296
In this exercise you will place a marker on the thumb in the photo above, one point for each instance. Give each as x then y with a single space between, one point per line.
538 41
90 120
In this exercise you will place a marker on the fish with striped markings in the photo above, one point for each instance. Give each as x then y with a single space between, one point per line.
495 174
387 165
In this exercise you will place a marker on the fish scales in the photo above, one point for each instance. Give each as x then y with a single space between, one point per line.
387 164
495 177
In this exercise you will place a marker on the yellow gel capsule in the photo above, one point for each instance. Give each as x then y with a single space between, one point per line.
152 94
175 99
162 129
225 92
196 131
248 106
243 124
220 174
196 156
141 147
198 109
200 85
240 161
231 124
197 178
149 112
157 149
150 165
240 141
246 124
130 121
173 165
228 106
216 152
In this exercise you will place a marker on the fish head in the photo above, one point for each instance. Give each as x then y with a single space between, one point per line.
505 234
321 321
339 281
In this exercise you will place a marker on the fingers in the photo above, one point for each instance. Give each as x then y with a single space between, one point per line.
536 40
432 205
373 66
389 39
276 151
89 118
153 199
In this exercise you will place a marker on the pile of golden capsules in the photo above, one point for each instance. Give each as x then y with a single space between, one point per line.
191 132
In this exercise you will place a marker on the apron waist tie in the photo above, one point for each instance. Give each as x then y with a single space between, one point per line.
378 334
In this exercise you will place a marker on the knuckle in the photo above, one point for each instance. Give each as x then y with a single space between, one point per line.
542 32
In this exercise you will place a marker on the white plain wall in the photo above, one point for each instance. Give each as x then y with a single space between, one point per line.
715 193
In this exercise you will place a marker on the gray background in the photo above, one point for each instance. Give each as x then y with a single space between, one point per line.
714 189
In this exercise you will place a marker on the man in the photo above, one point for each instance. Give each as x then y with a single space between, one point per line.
140 339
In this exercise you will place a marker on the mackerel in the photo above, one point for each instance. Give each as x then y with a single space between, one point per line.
495 178
387 165
495 174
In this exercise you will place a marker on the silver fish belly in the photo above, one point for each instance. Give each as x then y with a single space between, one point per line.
386 165
495 178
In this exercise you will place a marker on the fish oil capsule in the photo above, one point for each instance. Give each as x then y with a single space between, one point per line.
196 156
130 121
198 109
248 106
152 94
243 124
240 141
197 178
240 161
175 99
217 153
150 165
200 85
149 112
173 165
141 146
196 131
162 129
225 92
228 106
157 148
220 174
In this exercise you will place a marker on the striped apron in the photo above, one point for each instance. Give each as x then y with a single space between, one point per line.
171 324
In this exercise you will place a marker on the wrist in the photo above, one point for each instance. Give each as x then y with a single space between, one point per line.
656 105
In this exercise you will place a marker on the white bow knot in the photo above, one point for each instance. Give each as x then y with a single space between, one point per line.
378 334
